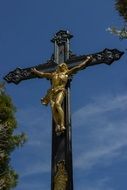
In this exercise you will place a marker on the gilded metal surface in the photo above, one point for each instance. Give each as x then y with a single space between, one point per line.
56 93
61 177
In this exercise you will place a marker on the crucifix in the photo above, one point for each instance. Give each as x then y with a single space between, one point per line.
59 70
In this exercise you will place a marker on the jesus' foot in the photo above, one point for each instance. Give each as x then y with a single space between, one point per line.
57 129
62 129
44 101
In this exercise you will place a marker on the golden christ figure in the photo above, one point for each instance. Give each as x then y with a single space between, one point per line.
56 93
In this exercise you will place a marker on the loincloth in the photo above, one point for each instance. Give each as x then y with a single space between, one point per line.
52 94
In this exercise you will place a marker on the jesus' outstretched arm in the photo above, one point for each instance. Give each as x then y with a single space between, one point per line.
80 66
41 74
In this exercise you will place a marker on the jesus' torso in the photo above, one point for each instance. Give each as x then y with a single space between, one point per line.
59 79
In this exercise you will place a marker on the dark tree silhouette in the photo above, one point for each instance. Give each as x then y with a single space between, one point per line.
121 7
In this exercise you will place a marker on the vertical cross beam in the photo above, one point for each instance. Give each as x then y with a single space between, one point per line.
62 172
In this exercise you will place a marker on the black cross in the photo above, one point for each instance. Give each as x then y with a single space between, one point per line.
62 171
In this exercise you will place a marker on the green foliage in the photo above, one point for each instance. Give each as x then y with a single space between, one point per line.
122 33
8 141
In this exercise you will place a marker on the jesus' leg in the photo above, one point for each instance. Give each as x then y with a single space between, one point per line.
58 106
55 116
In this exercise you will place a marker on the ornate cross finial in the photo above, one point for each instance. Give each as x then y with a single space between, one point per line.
61 37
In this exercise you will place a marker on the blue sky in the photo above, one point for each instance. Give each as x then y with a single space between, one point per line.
98 94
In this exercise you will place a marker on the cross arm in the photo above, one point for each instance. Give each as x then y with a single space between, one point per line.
18 75
107 56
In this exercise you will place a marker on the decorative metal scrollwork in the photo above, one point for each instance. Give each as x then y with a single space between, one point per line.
61 176
107 56
17 75
61 37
